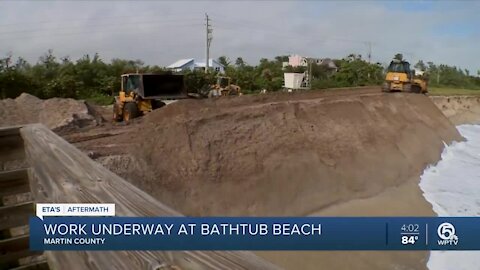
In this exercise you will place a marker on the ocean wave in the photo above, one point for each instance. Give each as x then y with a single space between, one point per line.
452 186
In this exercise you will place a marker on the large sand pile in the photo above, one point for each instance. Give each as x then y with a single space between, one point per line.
459 109
59 114
287 157
297 155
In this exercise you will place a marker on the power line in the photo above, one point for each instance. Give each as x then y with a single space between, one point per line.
94 26
88 31
56 21
103 18
289 36
284 34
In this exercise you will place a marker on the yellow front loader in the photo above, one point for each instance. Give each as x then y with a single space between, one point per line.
142 93
224 87
400 78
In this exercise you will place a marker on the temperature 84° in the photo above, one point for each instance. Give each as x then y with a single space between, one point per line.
409 239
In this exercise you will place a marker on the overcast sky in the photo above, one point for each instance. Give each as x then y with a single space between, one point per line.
161 32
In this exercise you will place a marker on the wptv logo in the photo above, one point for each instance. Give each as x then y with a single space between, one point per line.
446 233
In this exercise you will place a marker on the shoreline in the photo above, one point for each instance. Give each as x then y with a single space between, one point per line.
393 201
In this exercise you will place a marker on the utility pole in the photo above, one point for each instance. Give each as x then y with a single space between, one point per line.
369 44
208 41
369 51
310 62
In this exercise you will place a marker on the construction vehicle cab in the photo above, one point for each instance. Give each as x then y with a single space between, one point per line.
224 87
142 93
223 81
400 78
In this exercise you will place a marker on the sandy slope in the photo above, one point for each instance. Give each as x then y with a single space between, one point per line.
307 154
459 109
288 157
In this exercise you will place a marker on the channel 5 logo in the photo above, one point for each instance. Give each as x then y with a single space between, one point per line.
446 233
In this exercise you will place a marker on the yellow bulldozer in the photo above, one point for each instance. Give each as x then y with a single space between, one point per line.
142 93
400 78
224 87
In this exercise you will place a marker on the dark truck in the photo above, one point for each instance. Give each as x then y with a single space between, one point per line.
142 93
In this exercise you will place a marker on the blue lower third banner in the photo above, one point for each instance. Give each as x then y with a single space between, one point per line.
254 233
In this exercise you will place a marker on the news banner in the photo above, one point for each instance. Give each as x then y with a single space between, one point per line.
96 227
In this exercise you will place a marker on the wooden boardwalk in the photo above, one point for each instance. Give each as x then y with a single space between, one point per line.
60 173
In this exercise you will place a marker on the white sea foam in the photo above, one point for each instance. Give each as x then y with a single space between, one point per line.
452 186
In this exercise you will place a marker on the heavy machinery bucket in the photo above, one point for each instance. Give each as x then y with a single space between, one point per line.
164 86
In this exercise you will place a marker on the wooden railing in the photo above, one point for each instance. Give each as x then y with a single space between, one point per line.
60 173
16 205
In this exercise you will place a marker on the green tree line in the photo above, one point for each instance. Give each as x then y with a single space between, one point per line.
87 78
268 74
449 76
90 77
